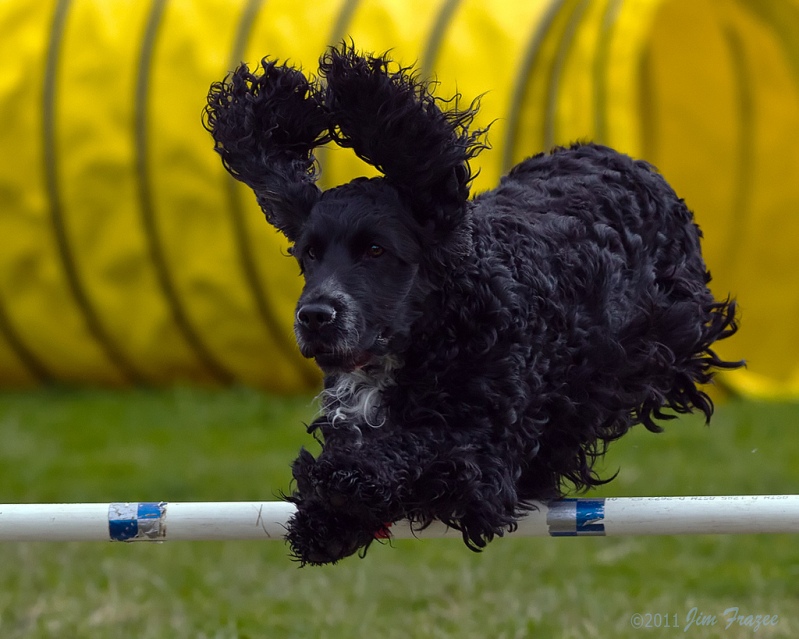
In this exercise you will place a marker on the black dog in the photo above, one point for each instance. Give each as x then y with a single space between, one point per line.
480 354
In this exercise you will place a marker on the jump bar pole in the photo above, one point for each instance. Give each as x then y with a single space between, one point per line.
198 521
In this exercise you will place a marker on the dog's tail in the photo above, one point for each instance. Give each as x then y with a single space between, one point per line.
693 366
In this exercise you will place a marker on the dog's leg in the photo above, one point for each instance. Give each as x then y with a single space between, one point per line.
469 489
318 535
360 484
368 486
348 495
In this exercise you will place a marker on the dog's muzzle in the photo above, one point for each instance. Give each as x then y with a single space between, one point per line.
327 331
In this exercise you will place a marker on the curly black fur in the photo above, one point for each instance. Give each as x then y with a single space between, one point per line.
479 355
265 128
392 121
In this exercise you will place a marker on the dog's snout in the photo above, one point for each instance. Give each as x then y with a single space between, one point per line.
315 316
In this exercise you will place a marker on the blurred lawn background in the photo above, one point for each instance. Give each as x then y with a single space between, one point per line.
190 444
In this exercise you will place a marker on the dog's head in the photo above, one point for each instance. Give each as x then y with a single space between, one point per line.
360 253
371 249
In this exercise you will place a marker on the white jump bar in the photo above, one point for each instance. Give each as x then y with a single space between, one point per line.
196 521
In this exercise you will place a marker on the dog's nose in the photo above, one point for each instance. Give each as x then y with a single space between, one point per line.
315 316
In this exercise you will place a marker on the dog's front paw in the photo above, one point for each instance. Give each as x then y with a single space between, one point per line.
303 471
354 486
347 482
319 536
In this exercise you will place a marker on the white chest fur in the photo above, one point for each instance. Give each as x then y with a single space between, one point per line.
356 398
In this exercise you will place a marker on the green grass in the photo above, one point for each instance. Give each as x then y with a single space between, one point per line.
191 444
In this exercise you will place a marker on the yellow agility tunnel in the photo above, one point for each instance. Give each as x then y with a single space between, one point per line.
130 257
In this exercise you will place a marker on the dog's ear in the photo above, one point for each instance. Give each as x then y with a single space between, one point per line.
265 127
391 119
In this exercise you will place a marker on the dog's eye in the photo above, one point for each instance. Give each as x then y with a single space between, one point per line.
310 253
375 250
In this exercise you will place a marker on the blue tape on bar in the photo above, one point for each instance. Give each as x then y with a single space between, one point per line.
138 521
122 522
590 517
576 517
149 510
